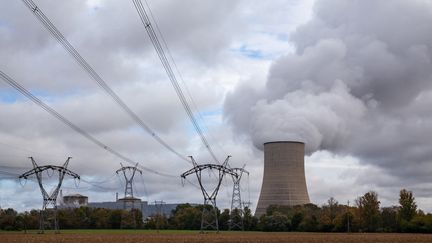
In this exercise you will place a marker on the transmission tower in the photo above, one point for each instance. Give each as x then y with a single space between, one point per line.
209 219
49 199
236 216
129 174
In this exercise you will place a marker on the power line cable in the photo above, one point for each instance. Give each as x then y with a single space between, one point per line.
95 76
97 185
74 127
171 75
181 77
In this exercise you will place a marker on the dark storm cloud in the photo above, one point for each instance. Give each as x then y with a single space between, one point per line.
358 83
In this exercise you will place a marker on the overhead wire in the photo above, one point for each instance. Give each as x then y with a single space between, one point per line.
96 185
171 75
181 77
94 75
74 127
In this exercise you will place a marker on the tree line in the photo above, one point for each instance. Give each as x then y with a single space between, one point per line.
365 215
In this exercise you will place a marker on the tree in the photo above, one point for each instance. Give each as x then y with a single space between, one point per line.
296 220
115 218
275 222
368 206
249 221
332 209
389 219
100 218
329 214
8 219
224 218
186 216
408 207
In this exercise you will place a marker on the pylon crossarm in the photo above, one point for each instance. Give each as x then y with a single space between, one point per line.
72 174
191 171
40 169
229 171
27 174
133 168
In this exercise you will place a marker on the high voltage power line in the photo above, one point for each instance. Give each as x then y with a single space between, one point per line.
94 75
180 75
77 129
171 75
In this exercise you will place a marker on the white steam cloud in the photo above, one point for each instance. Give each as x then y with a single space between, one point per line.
358 83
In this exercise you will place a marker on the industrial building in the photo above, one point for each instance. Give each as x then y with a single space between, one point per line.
284 181
77 200
74 201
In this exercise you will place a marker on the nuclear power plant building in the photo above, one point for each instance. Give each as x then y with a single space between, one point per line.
284 181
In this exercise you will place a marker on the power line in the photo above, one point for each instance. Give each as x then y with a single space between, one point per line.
181 77
171 75
74 127
95 76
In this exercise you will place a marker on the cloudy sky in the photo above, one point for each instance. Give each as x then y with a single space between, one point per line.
352 79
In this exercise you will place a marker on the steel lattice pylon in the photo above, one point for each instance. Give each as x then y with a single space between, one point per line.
129 200
129 177
49 199
209 218
236 215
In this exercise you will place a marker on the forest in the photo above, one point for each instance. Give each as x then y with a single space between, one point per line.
365 215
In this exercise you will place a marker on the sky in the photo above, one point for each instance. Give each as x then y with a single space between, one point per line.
351 79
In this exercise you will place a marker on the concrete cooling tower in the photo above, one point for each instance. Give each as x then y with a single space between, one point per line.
284 180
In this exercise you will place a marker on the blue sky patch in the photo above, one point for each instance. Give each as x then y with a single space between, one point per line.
9 96
251 53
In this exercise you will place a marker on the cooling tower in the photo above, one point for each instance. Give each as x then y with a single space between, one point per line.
284 180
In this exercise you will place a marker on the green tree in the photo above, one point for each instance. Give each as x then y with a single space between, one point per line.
115 218
224 218
100 218
369 211
343 219
275 222
408 206
329 214
296 220
249 221
8 219
186 216
389 218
